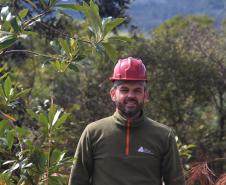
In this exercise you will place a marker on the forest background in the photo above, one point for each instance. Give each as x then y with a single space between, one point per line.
54 81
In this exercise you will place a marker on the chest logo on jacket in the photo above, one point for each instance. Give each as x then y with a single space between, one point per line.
142 149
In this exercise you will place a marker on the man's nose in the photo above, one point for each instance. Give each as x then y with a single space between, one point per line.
131 94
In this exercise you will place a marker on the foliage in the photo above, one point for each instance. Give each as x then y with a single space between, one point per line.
32 150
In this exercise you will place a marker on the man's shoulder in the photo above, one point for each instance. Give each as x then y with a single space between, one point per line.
101 123
158 126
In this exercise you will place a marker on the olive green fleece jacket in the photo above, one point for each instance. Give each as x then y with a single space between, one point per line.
117 151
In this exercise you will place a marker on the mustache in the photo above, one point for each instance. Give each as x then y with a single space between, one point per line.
131 99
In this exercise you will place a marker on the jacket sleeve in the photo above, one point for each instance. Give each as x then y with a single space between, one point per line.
81 172
171 166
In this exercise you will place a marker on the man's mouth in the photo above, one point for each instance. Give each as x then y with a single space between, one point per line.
131 103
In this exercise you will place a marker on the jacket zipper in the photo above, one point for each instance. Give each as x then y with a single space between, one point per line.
128 128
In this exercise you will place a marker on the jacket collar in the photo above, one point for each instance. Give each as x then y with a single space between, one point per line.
119 119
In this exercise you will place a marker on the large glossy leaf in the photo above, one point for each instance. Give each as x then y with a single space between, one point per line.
111 52
7 86
56 116
61 120
110 25
94 16
7 41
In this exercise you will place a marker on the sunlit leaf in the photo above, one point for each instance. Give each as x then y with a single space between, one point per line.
8 162
56 116
4 75
23 13
7 86
110 25
65 45
61 120
60 66
7 41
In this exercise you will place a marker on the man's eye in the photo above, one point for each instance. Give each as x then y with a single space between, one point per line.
123 90
138 91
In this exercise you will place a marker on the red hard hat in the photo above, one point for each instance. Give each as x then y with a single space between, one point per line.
129 69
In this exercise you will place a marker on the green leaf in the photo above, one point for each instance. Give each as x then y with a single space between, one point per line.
61 120
65 45
8 162
52 112
74 67
3 126
42 118
7 87
94 16
3 76
56 117
7 41
32 114
2 94
111 52
75 7
60 66
15 25
22 93
23 13
56 156
14 167
10 138
110 25
39 159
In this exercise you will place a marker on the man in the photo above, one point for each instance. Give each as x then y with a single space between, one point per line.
127 148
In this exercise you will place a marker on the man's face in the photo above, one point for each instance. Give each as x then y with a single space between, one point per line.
129 98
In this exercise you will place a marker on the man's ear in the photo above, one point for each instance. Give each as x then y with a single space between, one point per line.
146 96
112 94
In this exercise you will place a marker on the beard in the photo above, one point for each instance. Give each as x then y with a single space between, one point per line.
129 107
